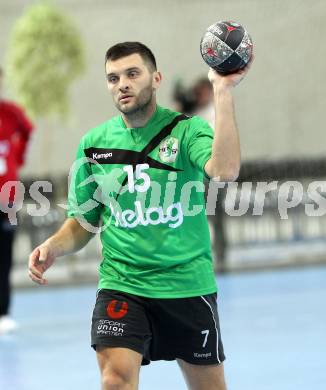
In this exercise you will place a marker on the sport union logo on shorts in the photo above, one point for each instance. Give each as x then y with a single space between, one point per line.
168 149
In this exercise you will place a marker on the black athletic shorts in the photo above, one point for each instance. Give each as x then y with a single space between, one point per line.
159 329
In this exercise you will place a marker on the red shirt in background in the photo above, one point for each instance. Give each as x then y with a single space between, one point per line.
15 131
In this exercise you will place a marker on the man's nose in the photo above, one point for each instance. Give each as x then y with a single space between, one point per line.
124 84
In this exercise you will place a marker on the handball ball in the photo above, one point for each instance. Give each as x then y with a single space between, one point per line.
226 47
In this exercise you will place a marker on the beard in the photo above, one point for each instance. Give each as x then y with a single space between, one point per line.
142 102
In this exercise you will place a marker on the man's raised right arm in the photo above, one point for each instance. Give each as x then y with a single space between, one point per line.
68 239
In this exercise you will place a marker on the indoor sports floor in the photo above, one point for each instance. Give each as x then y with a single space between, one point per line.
273 327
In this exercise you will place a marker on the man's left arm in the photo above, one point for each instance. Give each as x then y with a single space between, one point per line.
224 163
23 134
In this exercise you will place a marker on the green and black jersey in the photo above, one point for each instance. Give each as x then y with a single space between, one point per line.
146 187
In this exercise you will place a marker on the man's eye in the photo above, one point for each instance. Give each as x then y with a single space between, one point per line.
133 74
113 79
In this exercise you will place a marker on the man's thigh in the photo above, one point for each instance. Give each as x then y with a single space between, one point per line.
119 367
208 377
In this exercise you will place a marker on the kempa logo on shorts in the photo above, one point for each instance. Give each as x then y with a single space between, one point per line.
168 149
202 355
98 156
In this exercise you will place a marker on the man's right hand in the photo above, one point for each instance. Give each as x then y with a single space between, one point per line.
40 260
68 239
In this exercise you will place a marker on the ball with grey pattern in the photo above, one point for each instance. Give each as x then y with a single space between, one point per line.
226 47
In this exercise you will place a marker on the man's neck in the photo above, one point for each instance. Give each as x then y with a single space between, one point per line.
141 117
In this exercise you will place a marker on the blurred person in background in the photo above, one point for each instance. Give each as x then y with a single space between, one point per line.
203 93
195 100
183 98
204 98
198 99
15 131
157 288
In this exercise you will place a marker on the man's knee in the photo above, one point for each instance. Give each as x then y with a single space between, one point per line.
208 377
119 368
113 379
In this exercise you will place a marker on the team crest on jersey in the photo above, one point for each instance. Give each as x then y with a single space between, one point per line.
168 149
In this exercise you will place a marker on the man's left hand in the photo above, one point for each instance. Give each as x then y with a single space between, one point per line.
230 80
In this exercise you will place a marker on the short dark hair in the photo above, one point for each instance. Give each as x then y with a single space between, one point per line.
125 49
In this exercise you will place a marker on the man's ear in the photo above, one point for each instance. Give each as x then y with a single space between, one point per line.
157 78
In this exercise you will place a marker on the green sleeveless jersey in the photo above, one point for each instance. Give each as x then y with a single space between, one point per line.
145 187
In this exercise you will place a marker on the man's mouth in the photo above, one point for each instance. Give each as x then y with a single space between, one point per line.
124 98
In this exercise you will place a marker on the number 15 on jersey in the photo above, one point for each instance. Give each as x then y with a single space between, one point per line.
138 174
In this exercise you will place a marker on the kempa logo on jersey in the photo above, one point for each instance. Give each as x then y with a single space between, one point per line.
98 156
168 149
152 216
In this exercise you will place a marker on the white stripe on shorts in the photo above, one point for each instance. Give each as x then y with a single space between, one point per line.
207 303
97 292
